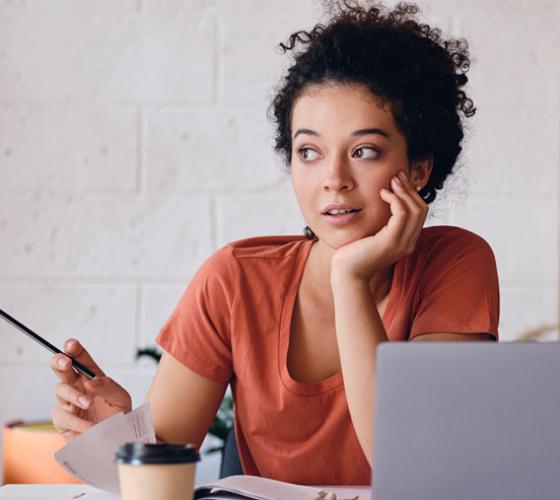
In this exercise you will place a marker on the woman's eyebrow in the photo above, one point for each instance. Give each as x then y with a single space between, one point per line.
367 131
356 133
307 131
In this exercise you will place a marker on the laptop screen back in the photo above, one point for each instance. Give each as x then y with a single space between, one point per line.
467 421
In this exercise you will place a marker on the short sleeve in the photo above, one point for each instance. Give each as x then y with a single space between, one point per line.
198 331
458 289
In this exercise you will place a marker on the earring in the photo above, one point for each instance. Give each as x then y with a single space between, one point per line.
418 188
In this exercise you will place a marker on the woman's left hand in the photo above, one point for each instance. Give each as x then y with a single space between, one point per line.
361 259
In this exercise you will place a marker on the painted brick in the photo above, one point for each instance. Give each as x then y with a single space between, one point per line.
97 236
514 152
518 30
158 302
516 49
138 59
538 307
261 216
97 315
514 46
205 7
438 213
249 53
208 149
522 233
32 397
100 152
11 4
250 10
84 5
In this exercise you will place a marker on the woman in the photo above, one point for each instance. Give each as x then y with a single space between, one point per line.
368 120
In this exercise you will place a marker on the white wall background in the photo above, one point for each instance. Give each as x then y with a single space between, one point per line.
134 142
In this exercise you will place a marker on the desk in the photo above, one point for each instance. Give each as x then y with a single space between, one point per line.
82 492
54 492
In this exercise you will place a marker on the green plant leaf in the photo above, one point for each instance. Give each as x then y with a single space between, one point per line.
150 352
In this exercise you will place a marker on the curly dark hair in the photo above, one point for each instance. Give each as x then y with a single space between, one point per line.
404 63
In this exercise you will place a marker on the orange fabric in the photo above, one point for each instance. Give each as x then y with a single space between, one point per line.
233 323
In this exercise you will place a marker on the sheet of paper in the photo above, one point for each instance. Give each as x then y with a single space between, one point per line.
91 456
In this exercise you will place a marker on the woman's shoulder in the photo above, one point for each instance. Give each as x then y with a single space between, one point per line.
256 261
259 252
441 246
261 259
266 247
439 238
448 262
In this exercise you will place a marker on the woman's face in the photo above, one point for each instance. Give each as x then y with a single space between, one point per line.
345 149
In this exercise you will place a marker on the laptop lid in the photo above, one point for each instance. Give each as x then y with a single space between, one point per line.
467 420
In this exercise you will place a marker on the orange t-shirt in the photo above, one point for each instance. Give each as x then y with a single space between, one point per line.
233 324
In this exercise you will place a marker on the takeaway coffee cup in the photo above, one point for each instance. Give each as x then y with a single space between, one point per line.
156 471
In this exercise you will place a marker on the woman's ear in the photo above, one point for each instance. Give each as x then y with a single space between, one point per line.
420 172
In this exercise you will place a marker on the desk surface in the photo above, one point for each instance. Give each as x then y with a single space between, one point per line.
82 492
54 492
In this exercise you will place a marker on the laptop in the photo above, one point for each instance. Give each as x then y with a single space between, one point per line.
467 421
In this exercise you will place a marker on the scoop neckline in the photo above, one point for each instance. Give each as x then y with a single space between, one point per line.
334 381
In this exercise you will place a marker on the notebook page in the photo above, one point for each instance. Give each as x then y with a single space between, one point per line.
259 488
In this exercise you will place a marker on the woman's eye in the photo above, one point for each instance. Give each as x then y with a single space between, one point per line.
308 154
366 153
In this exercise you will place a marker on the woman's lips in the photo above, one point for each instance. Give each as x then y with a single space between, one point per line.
343 219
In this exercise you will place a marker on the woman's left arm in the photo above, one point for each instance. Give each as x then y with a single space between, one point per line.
359 329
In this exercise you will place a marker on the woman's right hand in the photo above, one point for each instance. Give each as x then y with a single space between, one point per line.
80 402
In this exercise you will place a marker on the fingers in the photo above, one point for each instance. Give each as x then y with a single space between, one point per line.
408 212
68 424
62 367
61 364
75 350
70 398
417 208
412 198
110 391
399 213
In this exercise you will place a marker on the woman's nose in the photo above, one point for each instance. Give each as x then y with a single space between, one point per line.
338 176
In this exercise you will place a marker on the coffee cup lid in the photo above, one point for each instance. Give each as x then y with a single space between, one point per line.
160 453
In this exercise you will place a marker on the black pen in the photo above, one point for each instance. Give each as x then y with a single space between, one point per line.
46 344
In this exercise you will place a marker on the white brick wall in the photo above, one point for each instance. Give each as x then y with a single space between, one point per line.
134 141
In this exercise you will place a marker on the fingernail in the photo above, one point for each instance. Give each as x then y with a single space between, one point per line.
62 362
397 181
84 401
71 344
402 175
